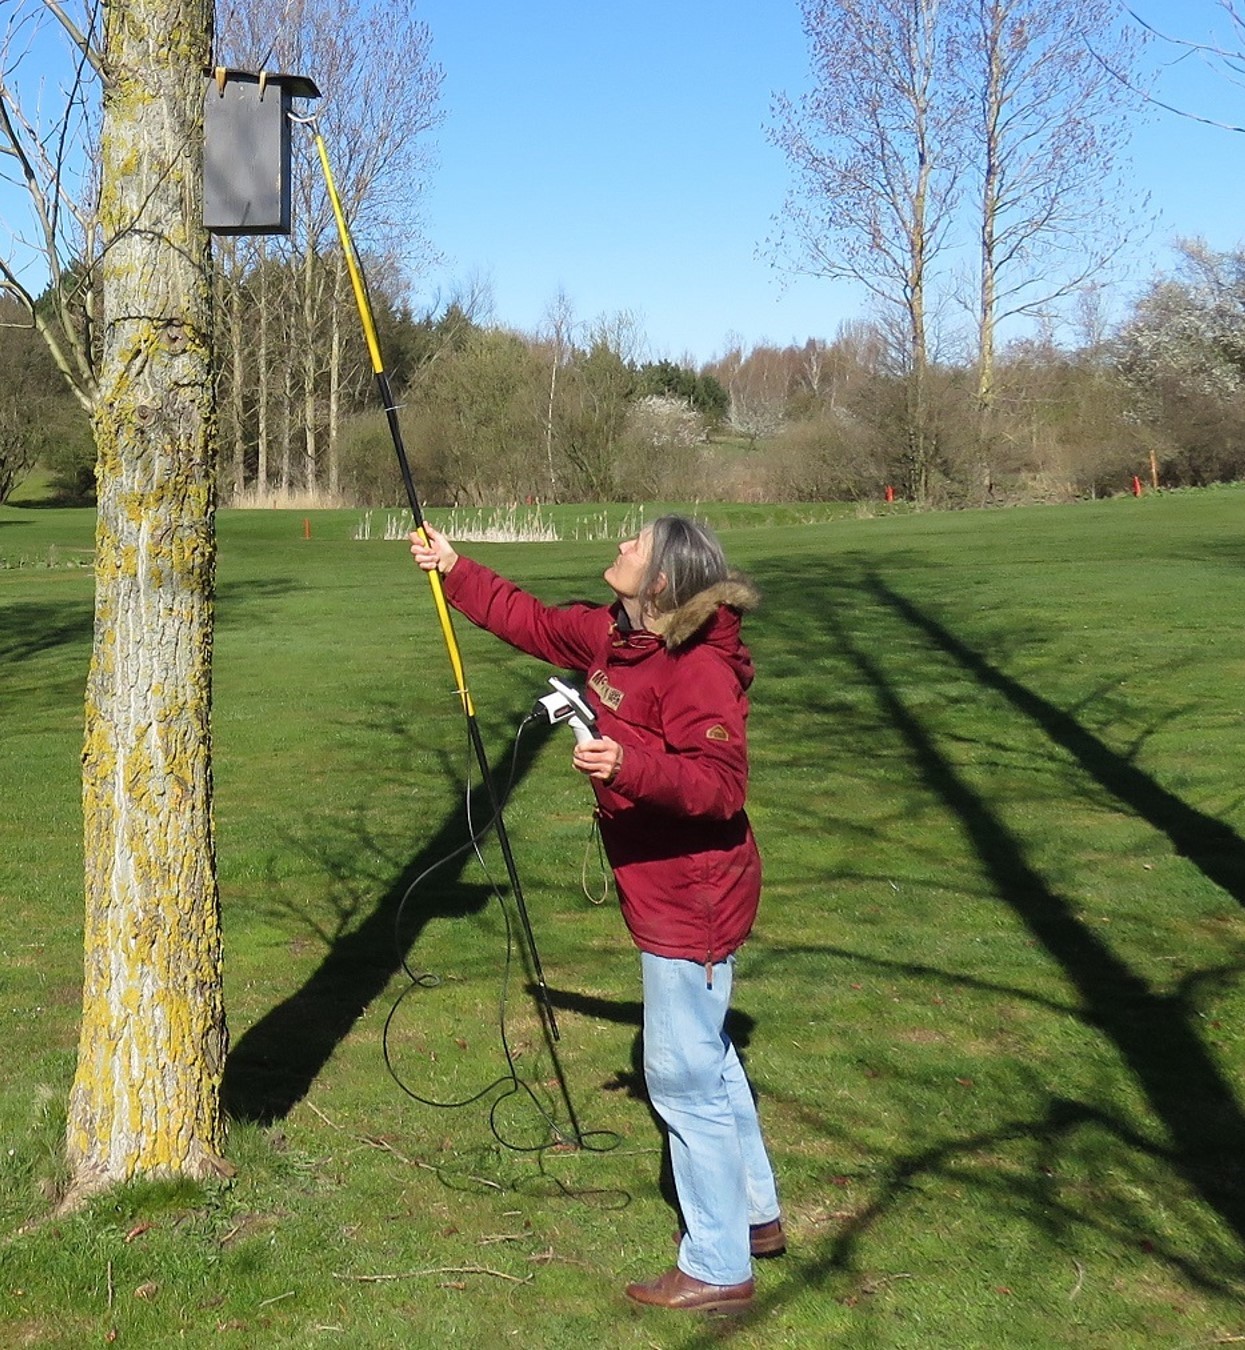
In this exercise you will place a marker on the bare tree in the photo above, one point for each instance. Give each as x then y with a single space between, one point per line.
232 348
828 372
32 396
1221 55
559 333
1050 126
591 420
759 387
876 152
48 152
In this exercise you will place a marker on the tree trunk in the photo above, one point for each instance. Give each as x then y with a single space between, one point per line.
237 377
309 363
146 1096
993 109
287 416
922 59
553 387
335 376
261 386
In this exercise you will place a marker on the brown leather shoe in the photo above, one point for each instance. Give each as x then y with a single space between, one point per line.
765 1239
674 1289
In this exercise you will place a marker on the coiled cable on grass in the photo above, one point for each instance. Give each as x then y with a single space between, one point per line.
511 1082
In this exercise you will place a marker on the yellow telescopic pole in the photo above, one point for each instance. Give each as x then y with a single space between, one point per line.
391 412
438 590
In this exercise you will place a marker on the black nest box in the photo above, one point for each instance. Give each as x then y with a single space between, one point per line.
246 151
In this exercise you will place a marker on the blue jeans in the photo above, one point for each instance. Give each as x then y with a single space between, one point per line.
697 1085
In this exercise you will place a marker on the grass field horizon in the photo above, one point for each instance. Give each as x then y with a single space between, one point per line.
992 1008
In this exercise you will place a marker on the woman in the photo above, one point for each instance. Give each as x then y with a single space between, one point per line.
667 676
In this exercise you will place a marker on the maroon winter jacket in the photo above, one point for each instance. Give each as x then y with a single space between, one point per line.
672 820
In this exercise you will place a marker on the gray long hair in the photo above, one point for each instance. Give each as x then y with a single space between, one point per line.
688 555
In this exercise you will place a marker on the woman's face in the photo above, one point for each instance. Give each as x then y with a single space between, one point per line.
624 575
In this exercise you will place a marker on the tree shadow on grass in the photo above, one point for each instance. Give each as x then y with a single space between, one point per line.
769 955
1212 846
30 628
1063 1127
275 1062
1151 1031
1154 1034
629 1012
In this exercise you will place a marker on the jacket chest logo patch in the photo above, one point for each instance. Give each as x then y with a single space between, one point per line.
717 732
604 690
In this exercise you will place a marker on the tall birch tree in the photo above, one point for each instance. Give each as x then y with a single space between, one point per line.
1050 127
876 151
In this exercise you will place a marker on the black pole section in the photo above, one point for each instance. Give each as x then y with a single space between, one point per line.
473 732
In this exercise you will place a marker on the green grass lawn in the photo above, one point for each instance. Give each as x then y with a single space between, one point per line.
993 1008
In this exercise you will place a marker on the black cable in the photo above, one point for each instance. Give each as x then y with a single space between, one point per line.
511 1080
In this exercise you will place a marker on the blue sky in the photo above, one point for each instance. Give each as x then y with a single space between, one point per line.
617 152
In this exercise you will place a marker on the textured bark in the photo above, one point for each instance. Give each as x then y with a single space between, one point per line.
146 1096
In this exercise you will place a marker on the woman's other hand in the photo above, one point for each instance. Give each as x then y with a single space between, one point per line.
437 555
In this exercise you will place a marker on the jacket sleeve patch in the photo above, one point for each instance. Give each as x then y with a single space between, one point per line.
717 732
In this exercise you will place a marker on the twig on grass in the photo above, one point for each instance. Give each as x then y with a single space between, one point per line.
548 1255
1228 1339
484 1181
276 1298
876 1285
332 1124
436 1270
372 1142
1080 1280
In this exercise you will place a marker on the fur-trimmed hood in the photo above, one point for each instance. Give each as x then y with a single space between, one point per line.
680 625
